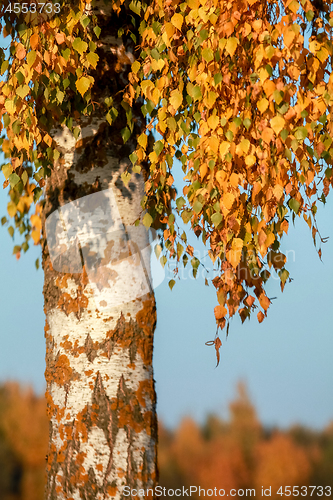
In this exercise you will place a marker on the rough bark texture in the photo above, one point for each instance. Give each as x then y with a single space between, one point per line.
100 386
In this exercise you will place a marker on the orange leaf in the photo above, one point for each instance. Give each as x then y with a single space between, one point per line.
220 312
34 40
217 343
260 316
264 301
20 51
267 135
60 37
249 300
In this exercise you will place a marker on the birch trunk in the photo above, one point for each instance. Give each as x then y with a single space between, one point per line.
99 304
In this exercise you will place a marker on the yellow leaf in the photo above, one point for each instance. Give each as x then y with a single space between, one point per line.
235 253
31 58
10 106
142 140
245 145
23 91
263 74
147 86
214 144
82 85
278 191
250 160
177 21
270 240
213 121
224 148
288 38
35 235
322 54
168 34
11 209
228 200
176 98
262 105
234 179
36 221
203 170
231 45
314 46
277 123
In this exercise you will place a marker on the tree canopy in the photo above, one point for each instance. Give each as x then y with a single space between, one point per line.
240 92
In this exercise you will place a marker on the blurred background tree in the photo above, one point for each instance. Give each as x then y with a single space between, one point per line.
238 452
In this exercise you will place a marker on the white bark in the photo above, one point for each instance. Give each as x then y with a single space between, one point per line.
100 316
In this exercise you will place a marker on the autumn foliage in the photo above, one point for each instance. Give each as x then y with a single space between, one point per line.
235 453
240 92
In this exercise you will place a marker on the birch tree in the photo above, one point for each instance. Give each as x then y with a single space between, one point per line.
241 94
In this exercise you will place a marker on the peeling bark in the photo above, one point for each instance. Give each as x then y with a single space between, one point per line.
100 387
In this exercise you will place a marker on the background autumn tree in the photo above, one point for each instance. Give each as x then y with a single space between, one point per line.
241 94
208 455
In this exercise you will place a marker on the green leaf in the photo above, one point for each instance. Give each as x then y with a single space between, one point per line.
126 177
97 31
125 134
92 59
135 6
60 96
309 15
180 202
7 170
76 132
301 133
186 215
216 218
20 77
3 220
158 147
247 123
13 179
284 275
294 205
197 207
80 45
284 134
11 231
133 157
84 21
31 57
207 54
24 177
217 78
147 220
66 53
